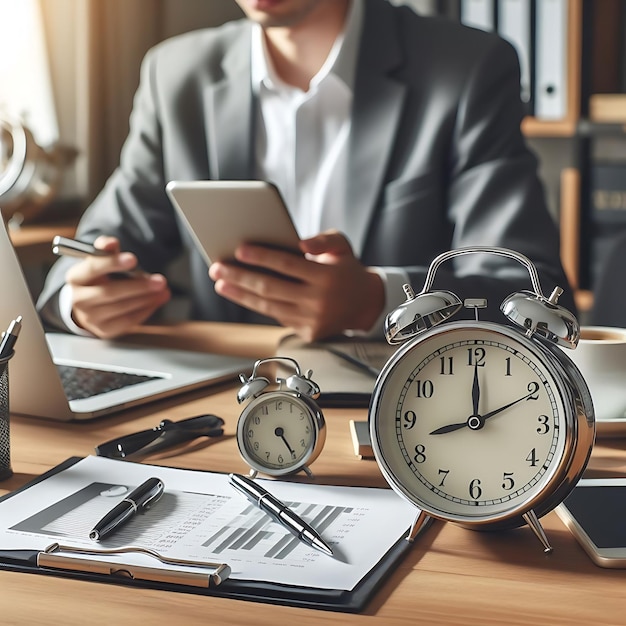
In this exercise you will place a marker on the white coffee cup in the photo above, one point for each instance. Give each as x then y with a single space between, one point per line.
601 358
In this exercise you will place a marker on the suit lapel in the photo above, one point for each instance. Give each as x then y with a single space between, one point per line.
228 113
378 101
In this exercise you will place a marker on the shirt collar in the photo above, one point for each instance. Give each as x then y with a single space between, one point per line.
341 60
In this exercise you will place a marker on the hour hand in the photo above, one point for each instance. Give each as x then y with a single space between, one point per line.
475 403
449 428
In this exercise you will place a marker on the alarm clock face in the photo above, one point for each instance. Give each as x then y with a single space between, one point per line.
470 422
279 432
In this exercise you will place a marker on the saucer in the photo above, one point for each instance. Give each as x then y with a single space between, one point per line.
615 427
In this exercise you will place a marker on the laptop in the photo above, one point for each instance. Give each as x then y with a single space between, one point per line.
43 372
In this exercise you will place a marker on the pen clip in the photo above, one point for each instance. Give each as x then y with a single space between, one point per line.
153 499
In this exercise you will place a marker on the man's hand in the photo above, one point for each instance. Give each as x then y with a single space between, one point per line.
106 306
320 294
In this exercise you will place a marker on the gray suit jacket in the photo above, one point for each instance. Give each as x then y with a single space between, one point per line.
436 157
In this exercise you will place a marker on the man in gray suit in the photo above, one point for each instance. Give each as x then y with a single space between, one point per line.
395 136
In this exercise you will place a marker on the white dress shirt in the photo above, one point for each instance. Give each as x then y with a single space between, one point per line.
302 140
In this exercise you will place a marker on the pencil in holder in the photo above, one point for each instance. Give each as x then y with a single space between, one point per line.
5 435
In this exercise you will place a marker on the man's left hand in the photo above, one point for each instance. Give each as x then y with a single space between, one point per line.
322 293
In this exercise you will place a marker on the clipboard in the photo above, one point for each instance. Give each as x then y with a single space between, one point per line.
352 601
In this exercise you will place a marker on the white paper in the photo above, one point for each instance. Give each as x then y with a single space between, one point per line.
202 518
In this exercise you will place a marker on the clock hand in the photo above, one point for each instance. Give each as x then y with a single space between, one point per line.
475 391
280 432
475 402
476 422
510 404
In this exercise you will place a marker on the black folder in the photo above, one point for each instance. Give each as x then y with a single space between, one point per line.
352 601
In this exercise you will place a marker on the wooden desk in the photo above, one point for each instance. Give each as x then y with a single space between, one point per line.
32 242
452 575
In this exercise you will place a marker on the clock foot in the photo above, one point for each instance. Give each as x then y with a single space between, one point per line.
531 519
307 471
420 521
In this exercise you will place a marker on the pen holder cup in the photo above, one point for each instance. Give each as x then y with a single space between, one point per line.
5 438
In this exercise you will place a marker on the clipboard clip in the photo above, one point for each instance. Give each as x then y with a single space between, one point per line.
183 572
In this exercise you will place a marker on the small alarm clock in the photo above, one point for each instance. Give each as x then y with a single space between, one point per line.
280 431
483 424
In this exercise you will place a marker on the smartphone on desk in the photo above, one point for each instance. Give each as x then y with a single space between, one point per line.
64 246
595 513
220 215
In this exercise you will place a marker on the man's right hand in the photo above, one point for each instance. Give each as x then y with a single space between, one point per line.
108 306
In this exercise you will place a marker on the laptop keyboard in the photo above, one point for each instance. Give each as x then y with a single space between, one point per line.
83 382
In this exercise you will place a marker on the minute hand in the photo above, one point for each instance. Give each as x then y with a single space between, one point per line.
486 416
452 427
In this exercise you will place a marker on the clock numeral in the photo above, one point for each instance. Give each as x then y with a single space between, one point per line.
279 405
280 459
507 481
444 475
474 489
447 365
250 433
425 389
532 458
410 419
264 410
544 425
302 443
476 356
533 388
420 453
257 420
508 366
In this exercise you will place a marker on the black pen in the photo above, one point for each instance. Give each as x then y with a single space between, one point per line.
137 501
279 512
10 337
362 365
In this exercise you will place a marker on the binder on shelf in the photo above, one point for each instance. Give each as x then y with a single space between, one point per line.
551 59
515 23
479 14
608 211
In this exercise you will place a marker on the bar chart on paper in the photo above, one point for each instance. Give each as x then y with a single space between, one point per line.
252 534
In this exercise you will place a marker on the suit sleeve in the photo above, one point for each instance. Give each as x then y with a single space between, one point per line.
494 194
133 205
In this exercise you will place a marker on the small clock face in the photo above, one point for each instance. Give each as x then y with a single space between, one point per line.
470 422
279 432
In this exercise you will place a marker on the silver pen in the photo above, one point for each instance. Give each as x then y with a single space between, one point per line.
64 246
279 512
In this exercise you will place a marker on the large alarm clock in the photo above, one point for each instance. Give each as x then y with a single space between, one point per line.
282 429
483 424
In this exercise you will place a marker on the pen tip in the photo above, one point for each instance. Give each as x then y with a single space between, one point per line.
322 547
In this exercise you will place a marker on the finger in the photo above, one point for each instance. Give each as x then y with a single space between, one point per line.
110 244
95 269
114 317
116 292
233 278
328 242
276 308
287 264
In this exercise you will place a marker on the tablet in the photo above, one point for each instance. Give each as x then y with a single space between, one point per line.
595 512
220 215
